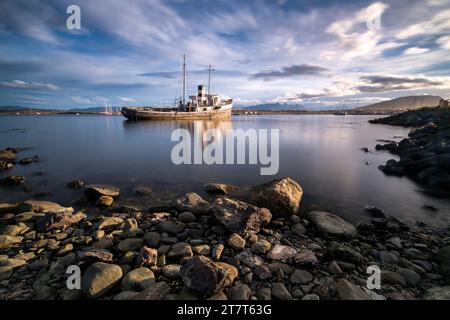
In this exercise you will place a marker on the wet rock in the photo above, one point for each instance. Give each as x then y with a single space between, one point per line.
301 277
130 244
8 241
76 184
330 225
12 181
8 207
344 253
349 291
8 155
180 250
42 207
443 259
282 197
192 202
99 278
95 191
437 293
305 258
239 292
392 167
142 190
205 277
108 222
147 257
217 251
186 217
281 252
262 272
29 160
8 265
156 291
126 295
249 259
240 217
90 255
104 201
219 188
280 292
298 229
375 211
171 226
138 279
58 220
172 271
152 239
411 277
236 241
202 249
261 246
391 277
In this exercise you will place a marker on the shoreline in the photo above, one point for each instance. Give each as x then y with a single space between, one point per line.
162 252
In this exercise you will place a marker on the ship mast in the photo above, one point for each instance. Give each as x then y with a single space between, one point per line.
184 80
209 77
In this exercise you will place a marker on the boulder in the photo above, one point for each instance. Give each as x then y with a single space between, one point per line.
443 259
107 222
282 197
95 191
393 168
138 279
99 278
7 241
437 293
348 291
240 217
171 226
301 277
236 242
219 188
331 226
58 220
180 250
205 277
279 292
147 257
12 181
91 255
281 252
156 291
130 244
104 201
42 207
192 202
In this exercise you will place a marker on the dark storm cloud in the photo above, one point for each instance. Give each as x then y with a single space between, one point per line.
295 70
382 83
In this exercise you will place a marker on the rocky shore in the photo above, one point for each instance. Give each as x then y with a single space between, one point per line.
260 246
425 154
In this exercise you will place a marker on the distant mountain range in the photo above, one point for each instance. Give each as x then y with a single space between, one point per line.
13 109
404 103
274 106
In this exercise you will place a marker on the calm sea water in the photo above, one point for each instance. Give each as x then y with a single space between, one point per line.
320 152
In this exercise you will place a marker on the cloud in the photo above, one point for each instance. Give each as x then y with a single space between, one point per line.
311 94
355 44
415 50
81 100
14 67
25 85
444 42
126 99
436 24
295 70
384 83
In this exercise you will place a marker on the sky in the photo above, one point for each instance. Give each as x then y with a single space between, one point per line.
317 53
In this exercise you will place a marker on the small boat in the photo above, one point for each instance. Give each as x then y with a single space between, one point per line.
204 105
340 110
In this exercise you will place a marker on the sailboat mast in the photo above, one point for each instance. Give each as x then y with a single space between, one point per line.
184 80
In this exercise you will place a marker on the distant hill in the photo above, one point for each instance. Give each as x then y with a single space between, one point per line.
275 106
404 103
